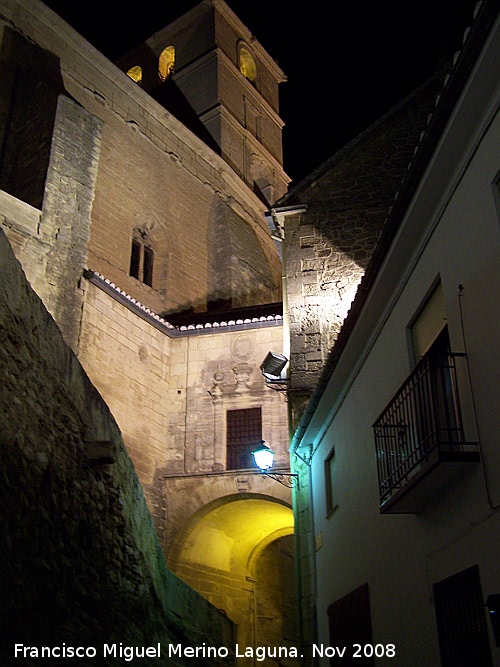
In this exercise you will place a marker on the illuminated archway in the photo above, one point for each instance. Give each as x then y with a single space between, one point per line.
227 535
219 551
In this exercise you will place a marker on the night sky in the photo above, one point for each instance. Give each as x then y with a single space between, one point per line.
347 62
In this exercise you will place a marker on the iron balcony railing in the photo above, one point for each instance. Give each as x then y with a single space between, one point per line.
422 421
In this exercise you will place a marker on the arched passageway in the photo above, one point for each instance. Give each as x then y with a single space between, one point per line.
238 553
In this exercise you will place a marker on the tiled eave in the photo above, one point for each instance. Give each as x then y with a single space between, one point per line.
208 327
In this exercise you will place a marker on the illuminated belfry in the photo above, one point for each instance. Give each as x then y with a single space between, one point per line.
210 72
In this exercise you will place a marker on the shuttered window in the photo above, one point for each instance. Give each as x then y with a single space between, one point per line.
349 623
461 620
428 324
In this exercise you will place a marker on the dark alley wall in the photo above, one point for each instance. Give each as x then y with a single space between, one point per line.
80 561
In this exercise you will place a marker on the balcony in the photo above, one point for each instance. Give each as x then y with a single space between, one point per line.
419 437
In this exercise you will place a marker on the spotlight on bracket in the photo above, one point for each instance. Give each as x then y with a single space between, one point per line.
272 366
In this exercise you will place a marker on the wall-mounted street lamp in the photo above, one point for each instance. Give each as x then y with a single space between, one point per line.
264 458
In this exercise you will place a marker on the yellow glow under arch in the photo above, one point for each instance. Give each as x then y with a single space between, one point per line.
218 555
229 536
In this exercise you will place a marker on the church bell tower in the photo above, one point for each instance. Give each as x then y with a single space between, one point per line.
215 77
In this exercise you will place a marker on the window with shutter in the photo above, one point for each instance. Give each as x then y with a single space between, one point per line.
428 324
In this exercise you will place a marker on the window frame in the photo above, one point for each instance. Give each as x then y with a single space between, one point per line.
166 62
142 256
328 466
465 622
431 306
135 73
246 443
249 55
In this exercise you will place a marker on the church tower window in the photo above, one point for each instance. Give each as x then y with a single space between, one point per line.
166 62
135 73
147 272
141 258
135 259
247 64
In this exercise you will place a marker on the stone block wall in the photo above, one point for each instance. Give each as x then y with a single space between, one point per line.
222 373
275 594
51 242
140 186
66 213
128 361
170 393
80 563
304 558
154 175
329 245
268 598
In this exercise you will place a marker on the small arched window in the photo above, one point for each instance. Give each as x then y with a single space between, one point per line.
247 64
142 257
166 62
135 73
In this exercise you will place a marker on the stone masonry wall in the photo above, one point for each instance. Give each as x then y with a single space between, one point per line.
155 175
51 243
170 395
140 186
128 360
275 594
66 213
328 247
80 562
